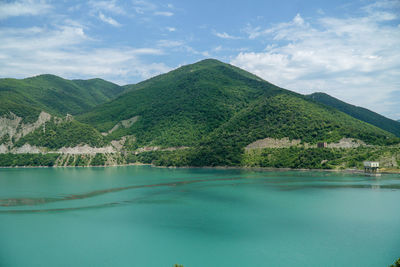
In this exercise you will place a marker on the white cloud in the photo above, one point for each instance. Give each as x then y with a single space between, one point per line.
109 20
383 4
142 7
218 48
354 59
225 35
169 43
279 29
163 13
109 6
146 8
66 51
23 8
170 29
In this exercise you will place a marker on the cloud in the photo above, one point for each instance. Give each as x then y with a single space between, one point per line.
169 43
148 8
224 35
23 8
109 6
170 29
67 51
355 59
218 48
281 28
163 13
142 7
109 20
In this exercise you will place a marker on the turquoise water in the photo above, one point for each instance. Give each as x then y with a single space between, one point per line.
145 216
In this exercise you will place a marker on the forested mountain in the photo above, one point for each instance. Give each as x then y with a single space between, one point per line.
28 97
203 114
184 106
360 113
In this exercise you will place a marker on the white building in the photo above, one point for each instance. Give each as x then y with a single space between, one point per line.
371 166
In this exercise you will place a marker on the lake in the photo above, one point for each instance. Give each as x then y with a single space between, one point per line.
147 216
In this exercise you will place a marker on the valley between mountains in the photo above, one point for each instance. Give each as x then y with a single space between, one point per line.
204 114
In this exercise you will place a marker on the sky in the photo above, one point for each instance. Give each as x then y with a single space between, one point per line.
348 49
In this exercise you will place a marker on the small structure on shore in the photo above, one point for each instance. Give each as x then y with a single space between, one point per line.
322 144
371 166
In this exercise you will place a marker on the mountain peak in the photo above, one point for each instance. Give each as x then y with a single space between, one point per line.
205 63
44 76
210 61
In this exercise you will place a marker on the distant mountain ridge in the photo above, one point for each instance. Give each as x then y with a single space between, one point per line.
360 113
28 97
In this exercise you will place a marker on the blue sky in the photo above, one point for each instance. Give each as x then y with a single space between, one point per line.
348 49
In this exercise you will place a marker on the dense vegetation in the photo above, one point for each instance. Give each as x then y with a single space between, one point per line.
65 133
55 159
13 160
396 264
291 157
360 113
281 116
55 95
218 107
317 158
180 107
213 108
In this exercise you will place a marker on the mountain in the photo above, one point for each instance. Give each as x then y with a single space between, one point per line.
283 116
180 107
204 114
360 113
218 110
28 97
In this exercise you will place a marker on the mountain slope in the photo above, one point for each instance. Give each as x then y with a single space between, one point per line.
360 113
281 116
211 101
28 97
201 114
180 107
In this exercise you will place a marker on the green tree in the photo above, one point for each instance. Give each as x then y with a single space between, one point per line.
396 264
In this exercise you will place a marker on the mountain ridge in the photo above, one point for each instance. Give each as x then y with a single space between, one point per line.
360 113
202 114
50 93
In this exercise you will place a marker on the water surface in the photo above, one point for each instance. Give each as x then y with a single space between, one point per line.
145 216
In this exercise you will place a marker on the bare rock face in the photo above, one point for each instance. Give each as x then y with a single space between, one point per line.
27 148
85 149
9 124
147 149
273 143
28 128
13 126
347 143
3 149
119 144
124 123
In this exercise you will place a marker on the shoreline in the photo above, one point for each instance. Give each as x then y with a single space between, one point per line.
353 171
